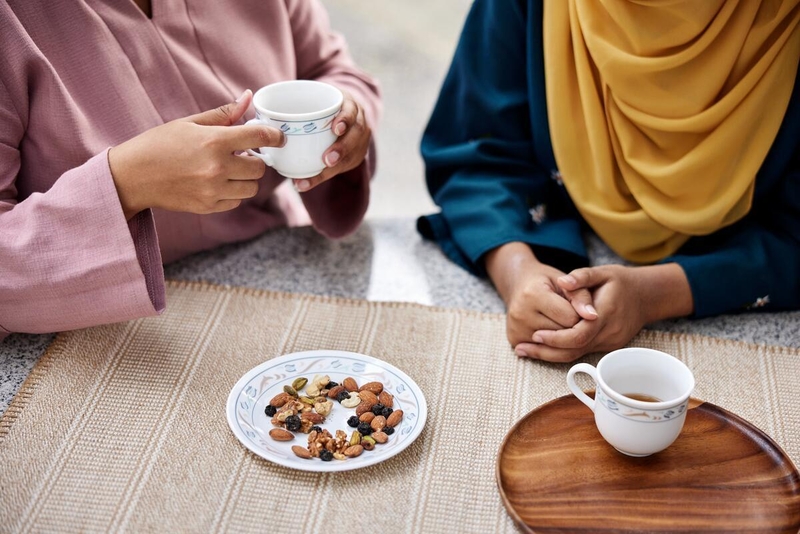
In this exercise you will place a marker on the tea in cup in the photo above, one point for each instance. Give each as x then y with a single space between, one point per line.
641 398
303 110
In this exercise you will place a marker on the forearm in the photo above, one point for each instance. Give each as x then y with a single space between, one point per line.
664 292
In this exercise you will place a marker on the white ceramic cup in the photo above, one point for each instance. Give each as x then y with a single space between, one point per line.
303 110
636 427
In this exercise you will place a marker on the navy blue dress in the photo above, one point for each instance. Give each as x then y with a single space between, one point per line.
490 168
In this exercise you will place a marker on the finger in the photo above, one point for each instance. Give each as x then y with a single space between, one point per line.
347 115
582 303
558 309
579 336
242 167
238 138
586 277
224 115
548 354
240 189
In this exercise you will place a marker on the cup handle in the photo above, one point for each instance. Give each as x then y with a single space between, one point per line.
266 158
576 390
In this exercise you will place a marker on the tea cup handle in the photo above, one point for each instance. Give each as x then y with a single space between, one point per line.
266 158
576 390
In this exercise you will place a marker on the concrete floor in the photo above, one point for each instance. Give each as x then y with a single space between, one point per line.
407 46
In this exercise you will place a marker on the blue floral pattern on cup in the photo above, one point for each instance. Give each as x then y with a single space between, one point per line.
300 127
637 414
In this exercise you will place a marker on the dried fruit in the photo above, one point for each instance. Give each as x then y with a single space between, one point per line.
302 452
353 421
293 423
388 430
299 383
386 411
380 437
364 428
350 384
279 434
378 423
374 387
280 399
343 395
270 410
378 409
366 417
353 451
315 428
386 399
352 402
326 455
394 419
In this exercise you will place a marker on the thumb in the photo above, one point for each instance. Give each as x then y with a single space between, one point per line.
225 115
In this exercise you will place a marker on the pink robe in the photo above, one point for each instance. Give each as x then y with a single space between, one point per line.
79 76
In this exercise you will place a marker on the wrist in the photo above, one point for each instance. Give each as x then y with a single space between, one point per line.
664 292
126 192
508 263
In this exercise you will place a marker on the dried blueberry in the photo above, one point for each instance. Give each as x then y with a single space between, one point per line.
330 385
293 423
378 409
364 429
343 395
388 430
353 421
316 428
325 455
270 410
386 412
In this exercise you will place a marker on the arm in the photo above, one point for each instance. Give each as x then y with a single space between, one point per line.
337 206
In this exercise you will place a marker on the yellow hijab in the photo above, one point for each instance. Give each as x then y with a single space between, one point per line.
662 111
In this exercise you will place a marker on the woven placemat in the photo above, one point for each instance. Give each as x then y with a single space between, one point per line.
122 427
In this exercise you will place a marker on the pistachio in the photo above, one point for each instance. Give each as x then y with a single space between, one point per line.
307 400
355 439
299 383
368 442
290 390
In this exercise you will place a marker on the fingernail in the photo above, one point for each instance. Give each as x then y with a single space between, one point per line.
520 352
241 97
339 130
567 279
302 185
537 338
589 308
331 158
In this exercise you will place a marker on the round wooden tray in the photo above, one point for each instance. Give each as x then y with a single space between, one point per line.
557 474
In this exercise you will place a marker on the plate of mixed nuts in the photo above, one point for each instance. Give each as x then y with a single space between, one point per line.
326 410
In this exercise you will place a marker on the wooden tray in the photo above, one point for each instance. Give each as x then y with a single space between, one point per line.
557 474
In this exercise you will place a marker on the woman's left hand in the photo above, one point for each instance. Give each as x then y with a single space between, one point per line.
349 150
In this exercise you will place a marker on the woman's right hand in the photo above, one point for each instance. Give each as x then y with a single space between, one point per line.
191 164
533 297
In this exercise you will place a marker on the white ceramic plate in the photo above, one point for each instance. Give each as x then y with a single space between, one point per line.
252 393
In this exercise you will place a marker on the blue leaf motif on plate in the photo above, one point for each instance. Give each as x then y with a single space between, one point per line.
310 127
290 368
250 391
406 430
336 364
245 405
250 434
401 388
359 367
412 416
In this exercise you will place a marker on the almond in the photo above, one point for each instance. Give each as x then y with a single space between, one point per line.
386 399
363 407
378 423
280 399
395 418
373 387
380 437
367 417
313 417
353 450
279 434
368 396
350 384
302 452
334 391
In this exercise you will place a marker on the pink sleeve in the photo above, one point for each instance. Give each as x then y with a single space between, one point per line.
338 206
68 258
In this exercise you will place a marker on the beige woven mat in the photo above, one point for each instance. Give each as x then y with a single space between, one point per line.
122 428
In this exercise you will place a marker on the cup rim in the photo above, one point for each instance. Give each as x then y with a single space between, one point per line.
325 112
642 405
